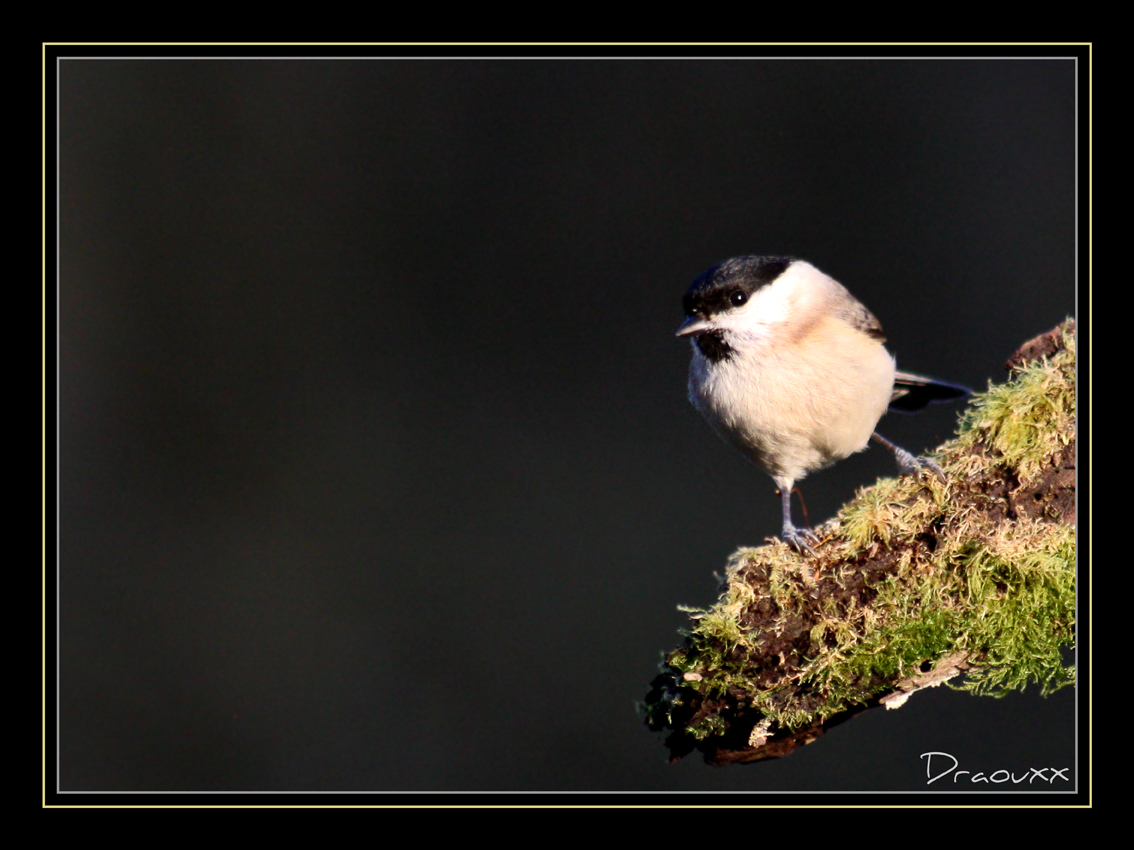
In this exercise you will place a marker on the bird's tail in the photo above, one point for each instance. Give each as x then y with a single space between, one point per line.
913 392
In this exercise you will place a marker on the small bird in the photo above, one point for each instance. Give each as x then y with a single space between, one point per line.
790 368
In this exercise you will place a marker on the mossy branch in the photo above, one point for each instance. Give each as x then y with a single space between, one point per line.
916 582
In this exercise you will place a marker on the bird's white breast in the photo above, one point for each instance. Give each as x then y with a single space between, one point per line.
800 407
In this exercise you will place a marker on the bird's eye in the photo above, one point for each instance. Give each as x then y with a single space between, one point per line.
738 297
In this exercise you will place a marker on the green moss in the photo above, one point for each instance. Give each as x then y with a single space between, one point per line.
1022 603
1027 420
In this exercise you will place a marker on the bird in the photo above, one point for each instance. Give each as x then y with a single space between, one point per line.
791 369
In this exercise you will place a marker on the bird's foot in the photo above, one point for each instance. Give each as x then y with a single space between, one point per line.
907 463
800 539
917 466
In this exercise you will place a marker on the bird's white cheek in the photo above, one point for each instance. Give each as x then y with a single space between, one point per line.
748 328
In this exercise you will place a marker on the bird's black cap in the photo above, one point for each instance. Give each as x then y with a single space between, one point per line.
713 290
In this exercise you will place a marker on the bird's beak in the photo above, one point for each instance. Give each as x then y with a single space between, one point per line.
693 325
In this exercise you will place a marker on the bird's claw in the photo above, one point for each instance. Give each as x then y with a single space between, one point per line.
800 539
917 466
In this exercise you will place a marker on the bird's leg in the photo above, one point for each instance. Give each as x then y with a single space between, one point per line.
907 463
799 539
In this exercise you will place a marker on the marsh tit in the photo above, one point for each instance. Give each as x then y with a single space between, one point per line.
790 368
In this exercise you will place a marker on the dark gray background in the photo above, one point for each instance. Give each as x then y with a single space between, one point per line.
377 471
